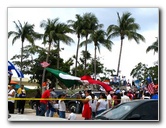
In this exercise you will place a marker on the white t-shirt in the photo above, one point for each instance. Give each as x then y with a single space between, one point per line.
56 106
62 106
109 98
72 116
93 105
125 98
90 98
10 92
102 105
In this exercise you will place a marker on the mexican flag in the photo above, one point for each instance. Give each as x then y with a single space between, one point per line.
66 79
69 80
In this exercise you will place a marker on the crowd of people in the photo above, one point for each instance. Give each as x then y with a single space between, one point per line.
92 105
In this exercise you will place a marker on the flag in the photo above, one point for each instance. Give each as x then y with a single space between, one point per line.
92 81
150 85
66 79
137 83
12 67
10 73
151 88
44 64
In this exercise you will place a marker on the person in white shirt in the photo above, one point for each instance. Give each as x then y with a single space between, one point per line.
62 107
11 94
125 98
72 115
93 104
101 104
109 99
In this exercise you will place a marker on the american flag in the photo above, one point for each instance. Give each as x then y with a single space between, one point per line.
44 64
151 88
150 85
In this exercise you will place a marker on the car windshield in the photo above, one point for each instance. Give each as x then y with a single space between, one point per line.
117 112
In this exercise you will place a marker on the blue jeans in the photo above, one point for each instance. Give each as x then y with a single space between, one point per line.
43 109
62 114
37 110
51 113
48 112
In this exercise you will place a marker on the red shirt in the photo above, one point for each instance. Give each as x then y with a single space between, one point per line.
46 94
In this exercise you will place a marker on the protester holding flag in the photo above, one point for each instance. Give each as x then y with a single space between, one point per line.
12 67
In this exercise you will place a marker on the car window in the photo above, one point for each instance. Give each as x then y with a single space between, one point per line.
147 111
119 111
97 94
74 95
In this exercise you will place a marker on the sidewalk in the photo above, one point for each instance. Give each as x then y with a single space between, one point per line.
32 112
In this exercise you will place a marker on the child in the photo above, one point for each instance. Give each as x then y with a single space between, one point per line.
93 104
56 107
72 115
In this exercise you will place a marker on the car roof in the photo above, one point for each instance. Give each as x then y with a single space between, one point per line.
139 101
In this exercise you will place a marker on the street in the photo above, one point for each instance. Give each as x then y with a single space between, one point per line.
31 113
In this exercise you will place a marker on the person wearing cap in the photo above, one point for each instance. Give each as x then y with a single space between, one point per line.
21 93
11 94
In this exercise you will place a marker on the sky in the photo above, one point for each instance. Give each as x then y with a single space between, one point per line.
5 4
132 53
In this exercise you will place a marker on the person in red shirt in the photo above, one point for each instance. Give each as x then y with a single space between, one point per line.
43 103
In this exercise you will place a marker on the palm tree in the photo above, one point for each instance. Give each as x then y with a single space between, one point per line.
126 28
60 35
77 27
48 26
98 37
24 32
154 47
54 33
90 23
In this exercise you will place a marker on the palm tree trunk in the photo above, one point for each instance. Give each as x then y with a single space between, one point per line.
22 47
95 64
58 56
77 56
85 54
119 57
44 70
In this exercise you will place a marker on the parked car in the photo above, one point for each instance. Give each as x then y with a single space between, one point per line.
77 104
70 101
146 109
